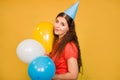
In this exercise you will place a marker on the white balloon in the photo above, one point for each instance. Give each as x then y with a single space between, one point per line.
29 49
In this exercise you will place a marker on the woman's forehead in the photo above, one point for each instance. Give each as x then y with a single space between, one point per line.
62 19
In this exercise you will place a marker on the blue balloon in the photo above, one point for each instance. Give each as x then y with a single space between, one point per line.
41 68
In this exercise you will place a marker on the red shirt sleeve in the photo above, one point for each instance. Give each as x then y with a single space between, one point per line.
70 51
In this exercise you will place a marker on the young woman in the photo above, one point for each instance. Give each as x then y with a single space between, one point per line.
66 52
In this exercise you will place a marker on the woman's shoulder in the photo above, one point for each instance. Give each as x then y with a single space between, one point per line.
71 46
70 50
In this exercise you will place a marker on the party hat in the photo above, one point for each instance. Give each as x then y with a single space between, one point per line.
72 10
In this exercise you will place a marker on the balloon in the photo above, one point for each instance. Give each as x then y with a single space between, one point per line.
29 49
41 68
44 34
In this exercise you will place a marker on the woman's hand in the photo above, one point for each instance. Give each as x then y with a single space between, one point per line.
46 54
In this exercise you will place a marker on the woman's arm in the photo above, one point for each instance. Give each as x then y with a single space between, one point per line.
72 73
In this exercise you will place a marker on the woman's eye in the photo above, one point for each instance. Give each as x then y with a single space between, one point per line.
62 24
57 21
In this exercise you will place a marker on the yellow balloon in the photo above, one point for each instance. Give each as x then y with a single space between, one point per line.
44 34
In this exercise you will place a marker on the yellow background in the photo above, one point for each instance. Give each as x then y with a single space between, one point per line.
97 26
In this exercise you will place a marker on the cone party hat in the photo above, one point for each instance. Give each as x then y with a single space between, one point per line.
72 10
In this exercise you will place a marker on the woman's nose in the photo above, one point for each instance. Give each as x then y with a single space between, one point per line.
57 25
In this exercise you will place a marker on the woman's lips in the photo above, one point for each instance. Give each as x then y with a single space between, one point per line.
56 29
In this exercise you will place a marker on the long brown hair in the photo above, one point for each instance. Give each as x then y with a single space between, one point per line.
70 36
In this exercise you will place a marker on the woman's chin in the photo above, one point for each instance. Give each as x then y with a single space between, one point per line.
56 33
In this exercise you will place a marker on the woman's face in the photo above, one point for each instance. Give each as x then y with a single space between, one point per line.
60 26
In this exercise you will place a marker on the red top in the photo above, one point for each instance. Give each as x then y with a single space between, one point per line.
69 51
